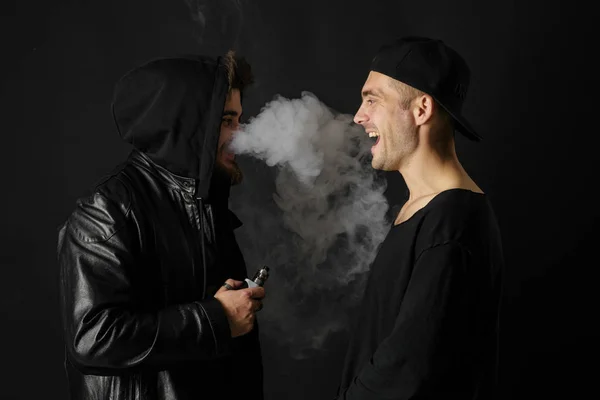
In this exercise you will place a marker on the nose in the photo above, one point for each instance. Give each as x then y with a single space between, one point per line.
360 117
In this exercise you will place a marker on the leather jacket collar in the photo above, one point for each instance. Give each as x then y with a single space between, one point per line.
170 179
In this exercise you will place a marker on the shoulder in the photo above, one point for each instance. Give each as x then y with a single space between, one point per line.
100 214
455 216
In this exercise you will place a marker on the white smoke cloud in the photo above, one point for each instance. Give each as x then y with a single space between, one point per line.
320 226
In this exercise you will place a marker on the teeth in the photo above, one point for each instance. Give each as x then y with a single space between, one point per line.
373 134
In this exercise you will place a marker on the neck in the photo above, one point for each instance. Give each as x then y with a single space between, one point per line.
433 168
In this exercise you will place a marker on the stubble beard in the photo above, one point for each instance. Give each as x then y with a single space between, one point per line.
398 151
380 159
232 170
376 162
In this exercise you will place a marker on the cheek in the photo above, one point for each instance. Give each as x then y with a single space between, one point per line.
224 136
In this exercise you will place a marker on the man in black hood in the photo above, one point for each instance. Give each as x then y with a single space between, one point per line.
143 260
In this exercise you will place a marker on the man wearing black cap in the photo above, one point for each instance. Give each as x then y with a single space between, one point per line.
428 324
148 259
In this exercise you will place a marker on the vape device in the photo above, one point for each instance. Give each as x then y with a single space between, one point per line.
259 278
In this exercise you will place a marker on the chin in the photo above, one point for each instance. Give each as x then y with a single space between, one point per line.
236 176
232 170
376 164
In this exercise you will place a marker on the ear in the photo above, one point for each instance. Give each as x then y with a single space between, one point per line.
423 109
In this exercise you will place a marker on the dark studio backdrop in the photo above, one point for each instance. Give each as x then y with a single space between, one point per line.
532 97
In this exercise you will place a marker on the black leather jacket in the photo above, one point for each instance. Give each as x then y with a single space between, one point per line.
139 264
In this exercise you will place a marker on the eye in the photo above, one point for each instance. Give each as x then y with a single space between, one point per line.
369 101
227 121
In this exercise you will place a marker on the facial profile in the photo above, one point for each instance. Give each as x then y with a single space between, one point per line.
230 121
385 115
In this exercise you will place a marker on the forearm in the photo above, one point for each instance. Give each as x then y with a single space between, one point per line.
110 340
106 332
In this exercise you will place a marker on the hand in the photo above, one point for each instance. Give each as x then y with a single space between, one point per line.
240 306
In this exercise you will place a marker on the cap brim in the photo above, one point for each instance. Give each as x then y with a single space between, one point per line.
462 125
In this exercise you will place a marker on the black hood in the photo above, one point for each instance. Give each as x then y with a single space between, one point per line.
171 109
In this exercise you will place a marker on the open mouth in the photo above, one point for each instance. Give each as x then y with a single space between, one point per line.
374 137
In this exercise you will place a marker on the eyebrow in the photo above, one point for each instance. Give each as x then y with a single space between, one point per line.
372 92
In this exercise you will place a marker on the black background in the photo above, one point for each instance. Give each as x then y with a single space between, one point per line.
532 97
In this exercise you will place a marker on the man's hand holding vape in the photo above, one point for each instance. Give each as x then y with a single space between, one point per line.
240 304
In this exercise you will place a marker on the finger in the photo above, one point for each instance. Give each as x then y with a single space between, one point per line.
259 306
234 283
222 289
256 292
230 284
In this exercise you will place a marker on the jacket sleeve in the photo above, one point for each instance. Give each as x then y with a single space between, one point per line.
105 331
422 355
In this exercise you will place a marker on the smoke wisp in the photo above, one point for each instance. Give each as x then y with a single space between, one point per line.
218 23
317 226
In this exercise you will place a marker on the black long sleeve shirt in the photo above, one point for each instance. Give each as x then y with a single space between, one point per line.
428 323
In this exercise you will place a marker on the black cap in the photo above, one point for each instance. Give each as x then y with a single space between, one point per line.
432 67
